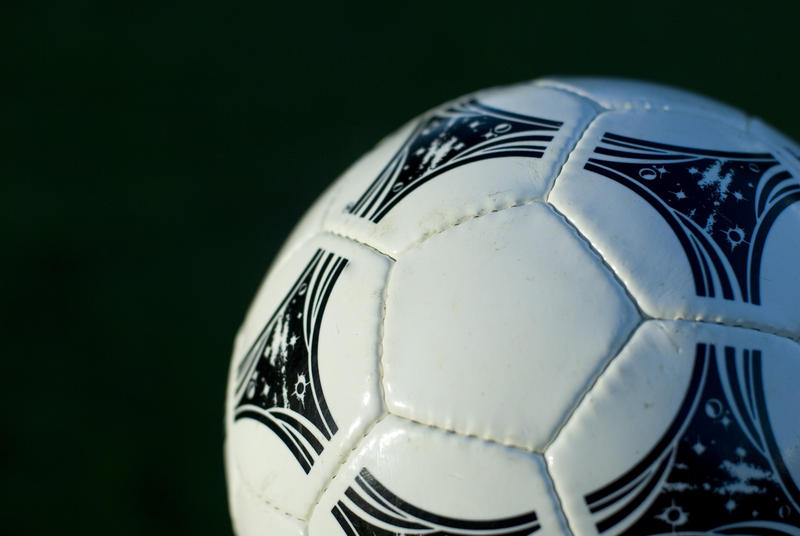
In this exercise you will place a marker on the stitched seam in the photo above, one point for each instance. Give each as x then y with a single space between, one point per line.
342 463
485 438
557 498
454 223
646 316
351 238
741 325
592 383
595 253
480 214
578 139
642 316
575 92
574 227
382 335
599 109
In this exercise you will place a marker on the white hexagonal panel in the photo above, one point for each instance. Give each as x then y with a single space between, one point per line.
304 381
699 219
692 429
490 150
407 478
494 327
621 94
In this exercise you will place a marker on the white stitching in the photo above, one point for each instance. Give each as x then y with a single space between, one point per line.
342 463
350 238
592 383
599 109
486 438
455 223
556 497
570 90
608 268
741 325
381 350
578 139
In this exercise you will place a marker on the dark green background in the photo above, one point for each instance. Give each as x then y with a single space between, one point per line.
153 159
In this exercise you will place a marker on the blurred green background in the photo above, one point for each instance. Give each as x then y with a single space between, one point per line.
154 157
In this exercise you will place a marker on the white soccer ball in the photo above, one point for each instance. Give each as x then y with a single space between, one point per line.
570 306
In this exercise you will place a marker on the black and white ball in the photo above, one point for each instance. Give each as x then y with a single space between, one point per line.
565 307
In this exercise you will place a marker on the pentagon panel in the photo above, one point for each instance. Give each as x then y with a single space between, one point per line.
495 327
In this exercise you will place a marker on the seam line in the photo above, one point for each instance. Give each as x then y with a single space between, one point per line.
485 438
342 462
557 498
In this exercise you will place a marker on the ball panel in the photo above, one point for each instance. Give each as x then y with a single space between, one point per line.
486 151
409 478
621 94
684 209
706 403
304 383
474 310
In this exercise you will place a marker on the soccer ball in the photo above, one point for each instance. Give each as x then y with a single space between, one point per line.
570 306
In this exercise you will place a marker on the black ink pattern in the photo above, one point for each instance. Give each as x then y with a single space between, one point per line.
369 509
278 381
721 205
466 132
716 470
